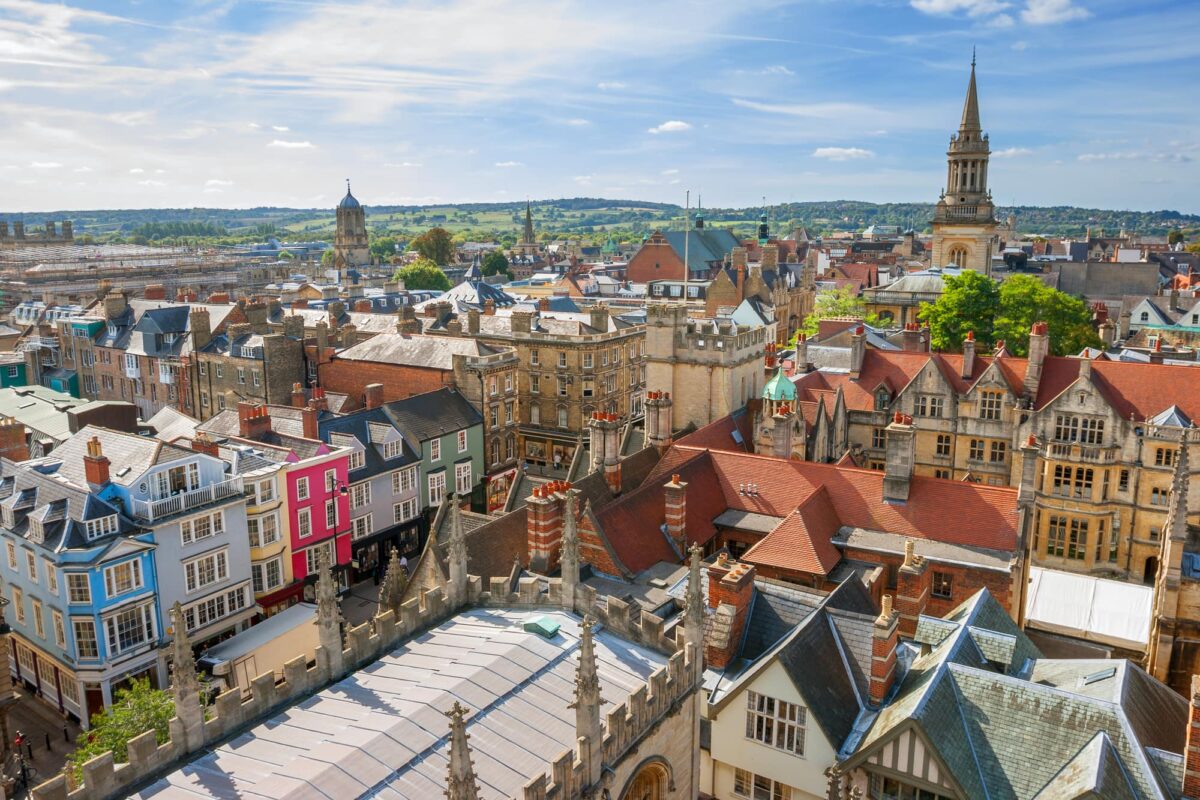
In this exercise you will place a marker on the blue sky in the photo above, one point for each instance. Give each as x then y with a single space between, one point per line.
232 104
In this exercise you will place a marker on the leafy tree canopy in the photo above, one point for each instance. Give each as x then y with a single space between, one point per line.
840 302
495 263
1005 312
435 244
1174 237
137 708
384 248
286 255
423 274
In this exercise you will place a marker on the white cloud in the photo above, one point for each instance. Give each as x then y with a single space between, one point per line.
253 125
1019 46
159 171
45 164
1002 21
972 8
132 118
1048 12
669 172
777 69
82 169
1107 156
670 126
152 183
608 86
136 171
1012 152
842 153
577 122
583 180
211 182
838 111
280 128
291 145
403 164
506 164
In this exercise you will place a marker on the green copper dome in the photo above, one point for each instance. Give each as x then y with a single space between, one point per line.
780 388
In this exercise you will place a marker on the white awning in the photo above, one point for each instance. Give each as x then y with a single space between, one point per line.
1095 609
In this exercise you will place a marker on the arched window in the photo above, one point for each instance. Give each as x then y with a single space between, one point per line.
958 255
652 782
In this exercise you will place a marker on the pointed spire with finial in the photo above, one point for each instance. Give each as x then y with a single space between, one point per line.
329 615
569 562
395 580
460 777
693 607
456 555
588 732
970 115
527 235
183 680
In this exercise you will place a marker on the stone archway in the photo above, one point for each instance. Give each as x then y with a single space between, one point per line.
652 781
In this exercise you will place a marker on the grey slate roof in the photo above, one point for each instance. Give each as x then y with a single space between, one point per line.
433 352
123 450
433 414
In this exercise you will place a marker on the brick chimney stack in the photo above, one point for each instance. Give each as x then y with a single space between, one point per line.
858 347
899 459
544 524
730 592
373 395
802 353
1191 752
254 421
658 420
968 362
13 445
203 443
1027 488
308 419
884 638
299 398
1039 345
675 507
319 400
910 338
912 590
95 464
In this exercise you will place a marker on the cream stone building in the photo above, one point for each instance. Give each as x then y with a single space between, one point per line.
964 222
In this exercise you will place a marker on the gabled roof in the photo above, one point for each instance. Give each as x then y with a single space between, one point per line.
804 540
432 414
129 455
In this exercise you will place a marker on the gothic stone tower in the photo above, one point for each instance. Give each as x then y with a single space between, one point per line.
964 223
350 241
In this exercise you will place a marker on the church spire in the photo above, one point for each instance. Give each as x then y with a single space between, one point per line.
527 236
970 115
588 732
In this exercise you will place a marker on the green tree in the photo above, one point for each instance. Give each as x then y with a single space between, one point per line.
327 257
286 255
435 244
1174 237
840 302
423 274
383 248
137 709
495 263
968 302
1024 300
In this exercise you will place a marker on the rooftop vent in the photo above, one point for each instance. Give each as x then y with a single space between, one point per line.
543 626
1096 677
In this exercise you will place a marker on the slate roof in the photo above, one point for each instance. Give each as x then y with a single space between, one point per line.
432 352
357 424
40 409
130 455
382 731
1025 729
433 414
705 246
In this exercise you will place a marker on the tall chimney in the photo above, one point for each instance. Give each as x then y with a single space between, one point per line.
912 590
858 347
201 328
544 525
598 317
730 592
309 419
1039 344
373 395
802 353
1027 489
13 445
884 637
675 504
658 420
95 464
968 362
901 454
299 399
910 338
254 421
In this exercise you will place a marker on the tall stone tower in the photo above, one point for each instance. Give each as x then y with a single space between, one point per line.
528 245
964 222
350 242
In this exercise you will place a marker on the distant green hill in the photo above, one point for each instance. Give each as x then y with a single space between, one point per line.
581 216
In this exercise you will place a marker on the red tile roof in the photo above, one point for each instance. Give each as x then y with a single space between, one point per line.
803 542
983 516
719 435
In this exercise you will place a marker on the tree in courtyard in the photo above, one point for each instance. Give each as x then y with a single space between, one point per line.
832 303
436 244
1025 300
968 303
495 263
423 274
137 709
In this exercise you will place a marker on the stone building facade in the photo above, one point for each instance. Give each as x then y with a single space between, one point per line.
350 245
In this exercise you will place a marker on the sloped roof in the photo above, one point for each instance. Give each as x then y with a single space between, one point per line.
804 540
432 352
138 453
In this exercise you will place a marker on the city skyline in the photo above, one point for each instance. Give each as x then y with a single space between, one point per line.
128 105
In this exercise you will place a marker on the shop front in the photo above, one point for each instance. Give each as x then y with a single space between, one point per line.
369 555
498 487
551 452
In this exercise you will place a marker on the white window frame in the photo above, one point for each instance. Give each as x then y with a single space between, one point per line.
304 523
261 578
404 480
192 576
146 625
435 449
313 554
462 478
84 582
360 495
776 723
437 480
84 630
51 576
136 581
190 530
393 449
60 628
31 566
258 528
462 441
302 488
406 510
362 527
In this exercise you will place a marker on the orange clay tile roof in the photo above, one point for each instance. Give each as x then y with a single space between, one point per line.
982 516
719 435
803 541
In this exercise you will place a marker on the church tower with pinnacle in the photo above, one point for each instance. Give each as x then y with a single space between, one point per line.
964 222
350 241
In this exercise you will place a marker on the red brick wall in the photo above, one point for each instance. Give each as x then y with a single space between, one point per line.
642 267
399 381
592 549
966 581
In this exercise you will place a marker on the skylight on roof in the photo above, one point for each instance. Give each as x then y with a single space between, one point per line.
1096 677
123 471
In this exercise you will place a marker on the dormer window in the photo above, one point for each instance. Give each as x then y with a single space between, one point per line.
393 449
882 399
37 533
8 516
103 526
